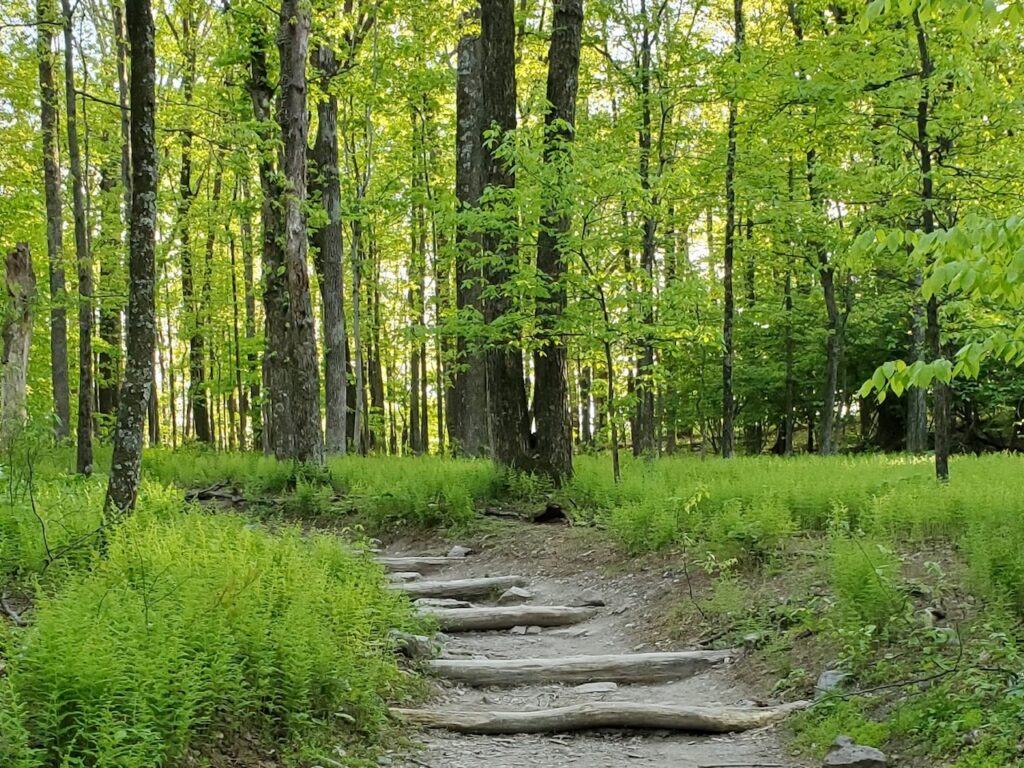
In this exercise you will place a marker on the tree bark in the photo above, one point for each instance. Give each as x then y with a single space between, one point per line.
59 378
508 419
276 413
84 457
328 252
108 360
603 714
122 489
467 413
624 668
941 392
293 118
917 397
551 386
728 402
643 422
506 617
20 281
464 589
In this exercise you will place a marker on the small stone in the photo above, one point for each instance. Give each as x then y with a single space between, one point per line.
829 680
844 753
459 551
571 632
753 639
514 596
534 630
596 688
589 599
414 646
520 630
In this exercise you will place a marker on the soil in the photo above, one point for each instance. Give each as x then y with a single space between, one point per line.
562 565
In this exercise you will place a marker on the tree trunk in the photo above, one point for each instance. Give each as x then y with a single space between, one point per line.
249 404
917 397
59 378
84 458
508 419
941 394
602 715
276 414
551 387
728 403
293 117
108 360
328 252
138 380
467 424
643 422
624 669
20 280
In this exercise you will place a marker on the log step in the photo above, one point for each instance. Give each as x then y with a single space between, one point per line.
420 564
594 715
460 589
619 668
505 617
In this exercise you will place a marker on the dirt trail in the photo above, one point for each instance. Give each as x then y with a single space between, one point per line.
562 566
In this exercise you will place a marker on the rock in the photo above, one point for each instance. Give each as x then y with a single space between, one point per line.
588 598
402 577
441 602
754 639
829 680
844 753
414 646
459 551
596 688
515 596
520 630
533 630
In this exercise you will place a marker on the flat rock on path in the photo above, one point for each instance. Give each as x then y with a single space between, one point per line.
609 632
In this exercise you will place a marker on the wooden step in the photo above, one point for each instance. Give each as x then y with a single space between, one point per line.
419 564
461 589
614 668
607 714
505 617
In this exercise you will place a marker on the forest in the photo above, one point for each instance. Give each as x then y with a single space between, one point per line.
715 307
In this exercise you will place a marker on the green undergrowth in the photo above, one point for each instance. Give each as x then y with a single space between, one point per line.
421 491
192 635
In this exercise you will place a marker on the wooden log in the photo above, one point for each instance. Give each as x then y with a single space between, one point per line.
625 668
460 589
420 564
506 617
606 714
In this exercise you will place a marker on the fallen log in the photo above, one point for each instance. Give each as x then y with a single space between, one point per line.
625 668
506 617
420 564
606 714
460 589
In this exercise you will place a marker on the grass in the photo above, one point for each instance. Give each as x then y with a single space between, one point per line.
191 636
279 636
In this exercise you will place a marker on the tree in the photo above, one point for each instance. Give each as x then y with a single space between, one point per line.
728 322
123 486
20 280
551 388
508 419
468 410
84 260
293 118
59 379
